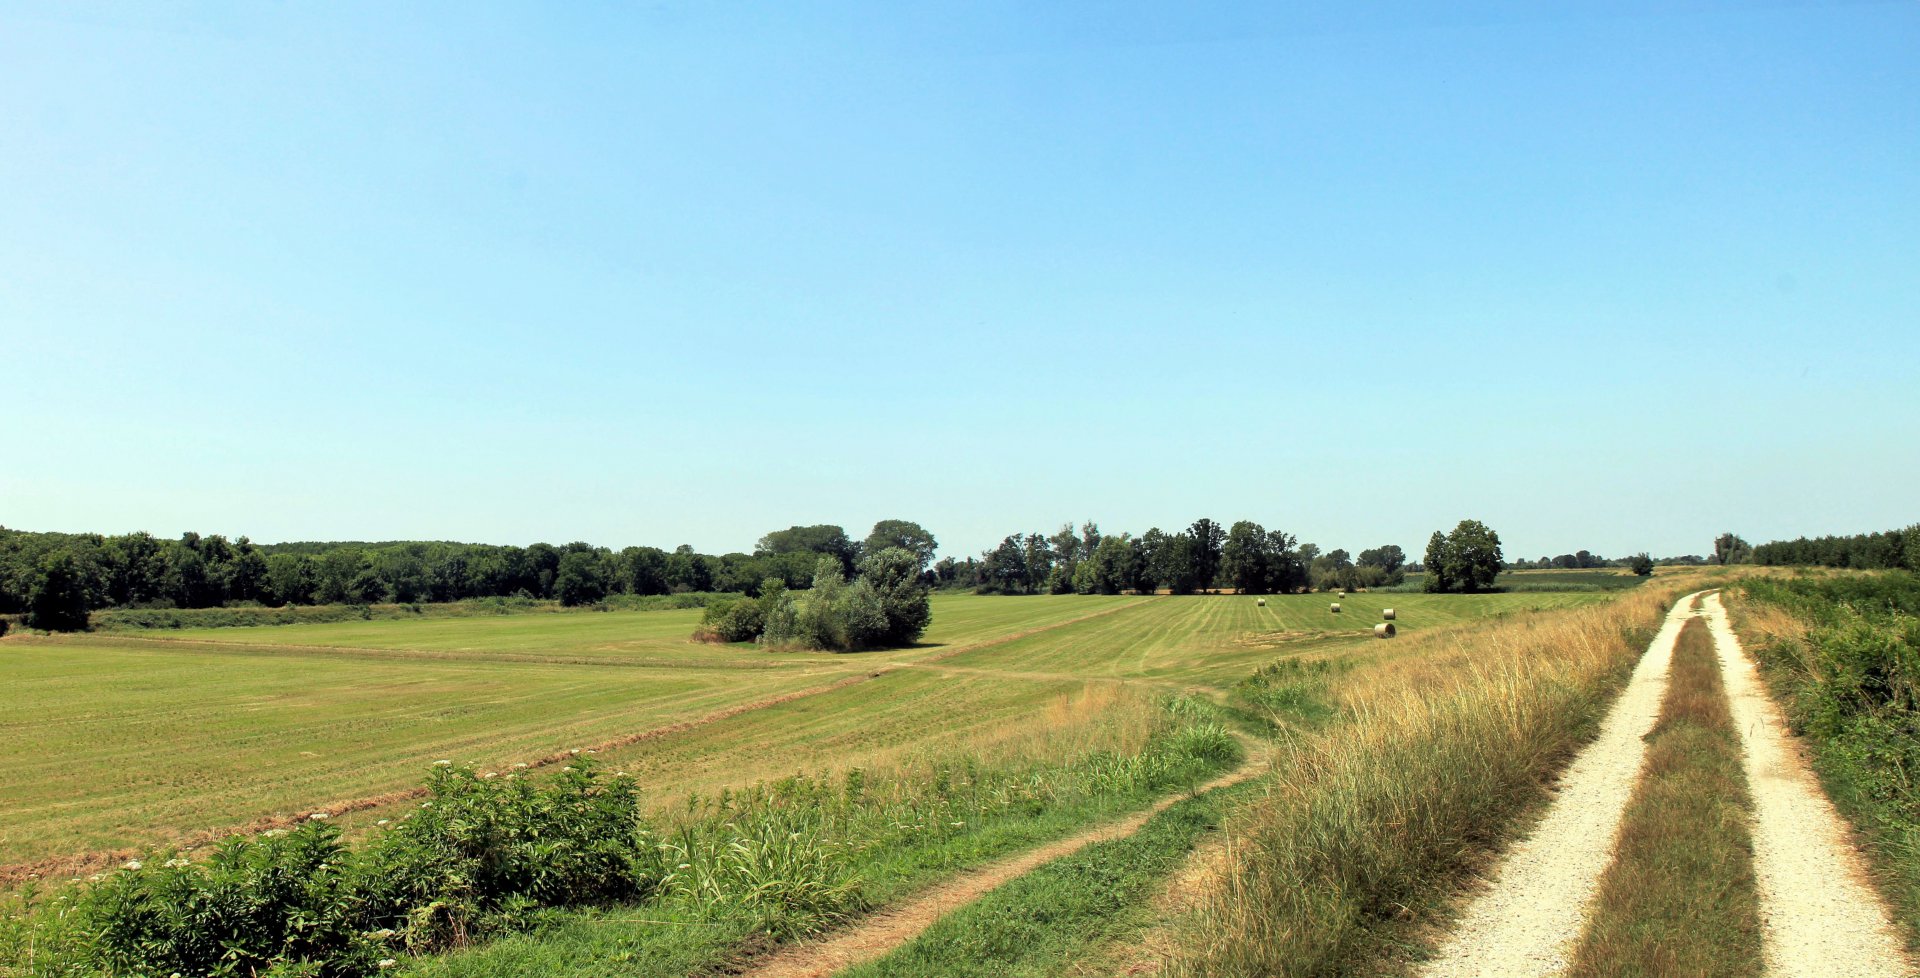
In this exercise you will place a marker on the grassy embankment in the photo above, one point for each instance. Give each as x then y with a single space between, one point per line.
1841 651
1679 897
1373 821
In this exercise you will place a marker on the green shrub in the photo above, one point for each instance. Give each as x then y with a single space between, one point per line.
481 855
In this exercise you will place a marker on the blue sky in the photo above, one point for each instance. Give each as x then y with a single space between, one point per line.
1614 276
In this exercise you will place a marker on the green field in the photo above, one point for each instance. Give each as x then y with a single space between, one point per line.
114 741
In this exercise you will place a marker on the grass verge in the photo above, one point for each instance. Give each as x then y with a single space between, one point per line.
1679 898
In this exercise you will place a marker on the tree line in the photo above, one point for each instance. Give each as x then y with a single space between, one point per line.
1207 555
57 578
1886 550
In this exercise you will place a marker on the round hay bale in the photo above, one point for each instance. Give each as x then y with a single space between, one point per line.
1342 595
1386 613
1262 602
1383 630
1335 607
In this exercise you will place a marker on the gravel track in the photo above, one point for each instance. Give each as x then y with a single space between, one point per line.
1817 913
1526 922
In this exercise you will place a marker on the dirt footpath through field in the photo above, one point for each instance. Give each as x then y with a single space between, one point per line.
1817 913
886 929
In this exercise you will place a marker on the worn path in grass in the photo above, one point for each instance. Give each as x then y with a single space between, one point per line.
891 927
1526 922
1818 915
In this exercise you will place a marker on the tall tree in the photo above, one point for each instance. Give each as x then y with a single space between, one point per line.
894 574
643 570
1439 576
1039 560
1208 538
580 579
904 534
1473 555
1730 549
58 602
821 538
1244 559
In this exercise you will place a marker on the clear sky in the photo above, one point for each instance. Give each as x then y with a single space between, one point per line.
1605 275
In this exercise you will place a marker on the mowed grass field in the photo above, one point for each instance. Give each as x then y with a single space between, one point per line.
110 742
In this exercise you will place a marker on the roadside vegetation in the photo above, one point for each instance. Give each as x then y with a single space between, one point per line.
1842 653
1679 897
1372 822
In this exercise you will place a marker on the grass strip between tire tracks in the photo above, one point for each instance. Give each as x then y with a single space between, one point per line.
1679 898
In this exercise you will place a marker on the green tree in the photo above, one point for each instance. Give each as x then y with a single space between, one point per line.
894 575
1730 549
1439 573
905 535
1175 566
580 579
58 601
1004 568
1110 570
1473 555
290 578
643 570
1245 562
822 538
688 571
1208 538
1641 564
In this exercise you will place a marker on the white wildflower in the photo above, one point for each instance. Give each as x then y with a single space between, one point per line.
388 962
442 763
318 817
133 864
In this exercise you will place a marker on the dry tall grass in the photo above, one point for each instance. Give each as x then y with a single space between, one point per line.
1451 738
